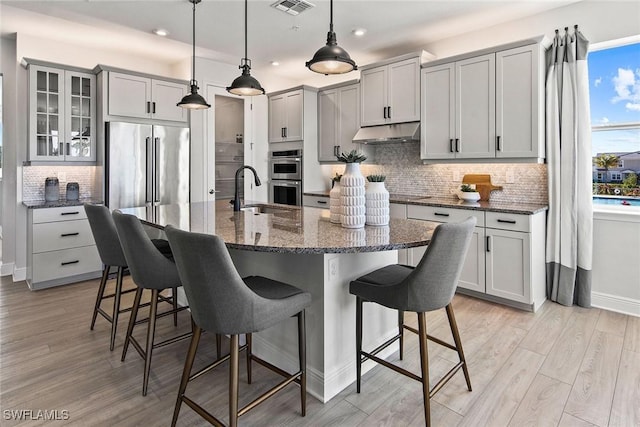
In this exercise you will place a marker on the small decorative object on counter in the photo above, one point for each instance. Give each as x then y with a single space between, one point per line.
51 189
352 191
335 207
377 201
73 191
468 193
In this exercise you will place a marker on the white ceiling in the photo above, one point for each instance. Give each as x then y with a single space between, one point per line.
393 27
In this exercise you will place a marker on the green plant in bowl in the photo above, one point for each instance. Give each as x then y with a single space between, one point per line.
376 178
352 156
466 188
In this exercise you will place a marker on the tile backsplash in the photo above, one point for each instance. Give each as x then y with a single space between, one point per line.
406 174
88 177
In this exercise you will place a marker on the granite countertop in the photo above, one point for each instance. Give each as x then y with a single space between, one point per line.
451 202
41 204
287 229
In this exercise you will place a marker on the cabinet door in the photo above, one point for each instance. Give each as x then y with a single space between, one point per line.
276 118
475 107
373 88
438 112
348 117
46 113
472 276
327 125
404 91
165 96
129 96
508 259
517 107
294 126
80 107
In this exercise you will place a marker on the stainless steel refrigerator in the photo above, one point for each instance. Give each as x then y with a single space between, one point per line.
146 165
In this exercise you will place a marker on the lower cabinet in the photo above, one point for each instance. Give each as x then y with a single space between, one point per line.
61 247
315 201
505 259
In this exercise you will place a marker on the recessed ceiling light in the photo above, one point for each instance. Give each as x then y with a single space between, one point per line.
359 32
161 32
275 63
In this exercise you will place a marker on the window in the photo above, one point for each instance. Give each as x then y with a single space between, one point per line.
614 91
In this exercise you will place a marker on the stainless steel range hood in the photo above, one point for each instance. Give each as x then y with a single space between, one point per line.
401 132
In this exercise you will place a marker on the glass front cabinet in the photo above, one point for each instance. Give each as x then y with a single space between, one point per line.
62 106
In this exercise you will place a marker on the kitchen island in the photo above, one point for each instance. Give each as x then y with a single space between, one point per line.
300 246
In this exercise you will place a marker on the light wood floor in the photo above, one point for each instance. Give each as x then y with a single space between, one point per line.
559 367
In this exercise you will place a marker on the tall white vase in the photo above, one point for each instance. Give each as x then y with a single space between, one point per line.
377 204
335 205
352 197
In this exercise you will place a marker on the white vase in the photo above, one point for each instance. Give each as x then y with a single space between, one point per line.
352 197
377 204
335 207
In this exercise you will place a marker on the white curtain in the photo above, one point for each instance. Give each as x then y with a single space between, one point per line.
568 133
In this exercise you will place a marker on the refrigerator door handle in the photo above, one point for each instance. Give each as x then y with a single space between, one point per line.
149 186
156 172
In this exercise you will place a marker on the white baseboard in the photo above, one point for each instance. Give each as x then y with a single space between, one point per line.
6 269
19 274
616 303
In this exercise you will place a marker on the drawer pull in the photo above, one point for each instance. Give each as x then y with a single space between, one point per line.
508 221
70 262
321 202
69 234
70 213
440 214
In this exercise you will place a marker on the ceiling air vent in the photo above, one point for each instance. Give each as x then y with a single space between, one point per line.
292 7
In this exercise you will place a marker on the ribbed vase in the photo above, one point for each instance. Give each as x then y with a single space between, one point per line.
377 204
352 197
335 206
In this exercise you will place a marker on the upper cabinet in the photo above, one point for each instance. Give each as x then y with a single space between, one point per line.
390 93
143 97
338 120
62 111
484 106
286 116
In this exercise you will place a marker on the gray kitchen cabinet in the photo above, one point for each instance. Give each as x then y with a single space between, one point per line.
315 201
390 93
62 112
286 116
485 106
132 95
60 247
338 120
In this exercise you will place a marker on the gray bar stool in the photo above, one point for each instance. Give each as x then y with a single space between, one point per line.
427 287
223 302
150 269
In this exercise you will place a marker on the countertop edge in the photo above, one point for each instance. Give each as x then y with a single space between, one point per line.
41 204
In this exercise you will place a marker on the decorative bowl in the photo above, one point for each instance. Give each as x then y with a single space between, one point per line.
469 196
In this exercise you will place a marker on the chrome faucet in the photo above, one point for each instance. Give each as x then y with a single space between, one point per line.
236 197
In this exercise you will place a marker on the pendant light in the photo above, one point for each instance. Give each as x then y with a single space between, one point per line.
331 58
245 85
193 101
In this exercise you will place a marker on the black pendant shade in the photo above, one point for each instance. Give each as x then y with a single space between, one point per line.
193 101
331 58
245 85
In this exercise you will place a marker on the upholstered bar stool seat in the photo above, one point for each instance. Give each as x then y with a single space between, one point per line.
223 302
153 270
427 287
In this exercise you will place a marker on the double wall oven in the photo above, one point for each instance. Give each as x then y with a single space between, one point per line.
285 177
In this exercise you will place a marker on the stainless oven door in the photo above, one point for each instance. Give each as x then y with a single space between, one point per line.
286 168
285 192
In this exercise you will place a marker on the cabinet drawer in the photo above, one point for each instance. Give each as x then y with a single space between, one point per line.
433 213
316 201
51 236
68 213
64 263
507 221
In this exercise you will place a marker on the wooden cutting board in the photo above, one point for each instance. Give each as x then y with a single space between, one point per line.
483 184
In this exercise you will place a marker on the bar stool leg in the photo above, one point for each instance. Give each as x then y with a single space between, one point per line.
174 295
401 332
233 382
103 285
424 365
302 357
219 345
188 365
248 337
151 330
358 342
458 342
132 322
116 308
